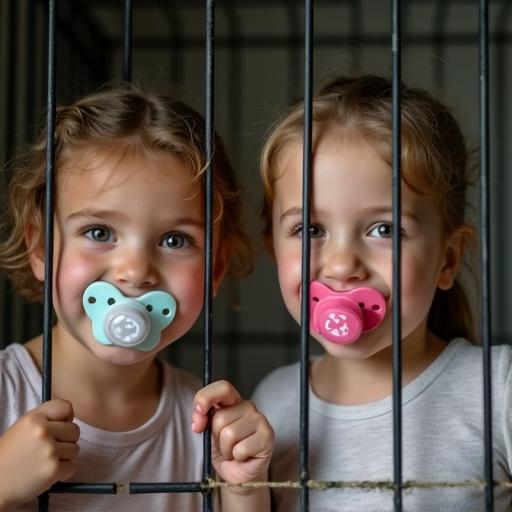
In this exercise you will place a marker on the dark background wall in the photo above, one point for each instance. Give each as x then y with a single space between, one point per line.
259 52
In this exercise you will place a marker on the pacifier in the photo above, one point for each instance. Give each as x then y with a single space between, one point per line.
341 317
129 322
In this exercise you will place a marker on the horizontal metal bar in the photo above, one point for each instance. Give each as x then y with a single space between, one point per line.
82 488
162 487
195 4
255 41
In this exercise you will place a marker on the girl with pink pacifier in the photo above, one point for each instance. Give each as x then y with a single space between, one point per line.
351 295
128 275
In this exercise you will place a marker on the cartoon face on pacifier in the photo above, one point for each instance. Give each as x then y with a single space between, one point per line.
129 322
341 317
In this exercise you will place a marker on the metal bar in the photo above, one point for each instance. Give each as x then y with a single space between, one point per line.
486 246
82 488
321 40
208 254
306 256
161 487
127 41
49 204
397 253
46 390
263 3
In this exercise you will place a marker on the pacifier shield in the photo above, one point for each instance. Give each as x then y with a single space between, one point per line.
341 317
130 322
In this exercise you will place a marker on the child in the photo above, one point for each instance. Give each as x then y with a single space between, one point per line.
351 428
128 282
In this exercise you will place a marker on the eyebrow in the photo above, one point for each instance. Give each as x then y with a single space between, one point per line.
297 210
109 215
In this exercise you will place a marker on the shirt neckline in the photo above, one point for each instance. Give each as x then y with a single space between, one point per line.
385 405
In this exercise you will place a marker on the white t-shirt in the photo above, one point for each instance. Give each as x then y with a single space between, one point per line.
442 428
162 450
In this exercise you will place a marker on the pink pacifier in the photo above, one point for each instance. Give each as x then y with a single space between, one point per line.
341 317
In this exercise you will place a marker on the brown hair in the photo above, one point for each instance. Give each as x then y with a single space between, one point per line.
435 161
124 118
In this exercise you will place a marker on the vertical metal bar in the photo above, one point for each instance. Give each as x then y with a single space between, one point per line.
127 45
306 256
397 254
48 217
486 256
208 288
502 181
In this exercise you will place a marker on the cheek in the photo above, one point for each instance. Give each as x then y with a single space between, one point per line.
188 289
74 272
418 287
289 272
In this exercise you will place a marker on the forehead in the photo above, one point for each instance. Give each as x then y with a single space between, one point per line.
101 175
335 160
348 175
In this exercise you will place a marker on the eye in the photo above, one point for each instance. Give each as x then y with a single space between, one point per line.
100 234
315 231
382 230
175 241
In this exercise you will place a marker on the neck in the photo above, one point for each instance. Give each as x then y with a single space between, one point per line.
346 381
108 396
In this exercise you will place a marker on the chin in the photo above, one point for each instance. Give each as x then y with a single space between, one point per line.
118 355
362 349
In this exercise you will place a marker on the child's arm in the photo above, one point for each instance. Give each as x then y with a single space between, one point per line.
37 451
242 444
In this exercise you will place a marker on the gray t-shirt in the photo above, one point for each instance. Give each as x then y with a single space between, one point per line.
164 449
442 418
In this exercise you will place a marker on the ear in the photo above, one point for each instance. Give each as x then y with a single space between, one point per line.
35 248
455 247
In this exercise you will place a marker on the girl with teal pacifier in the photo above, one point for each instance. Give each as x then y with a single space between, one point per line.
128 282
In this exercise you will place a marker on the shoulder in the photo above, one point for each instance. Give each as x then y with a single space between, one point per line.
469 357
467 362
16 365
278 388
19 384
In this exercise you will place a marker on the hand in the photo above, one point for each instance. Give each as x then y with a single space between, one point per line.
242 438
37 451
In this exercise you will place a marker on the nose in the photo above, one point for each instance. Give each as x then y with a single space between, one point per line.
134 267
342 263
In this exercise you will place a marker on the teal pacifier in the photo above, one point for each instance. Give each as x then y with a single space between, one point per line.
129 322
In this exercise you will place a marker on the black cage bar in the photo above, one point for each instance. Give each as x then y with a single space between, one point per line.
306 257
485 247
396 181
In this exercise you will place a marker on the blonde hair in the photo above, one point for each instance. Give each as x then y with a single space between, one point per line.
435 161
123 118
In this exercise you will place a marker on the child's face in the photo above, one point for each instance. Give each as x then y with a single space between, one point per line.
351 215
136 223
